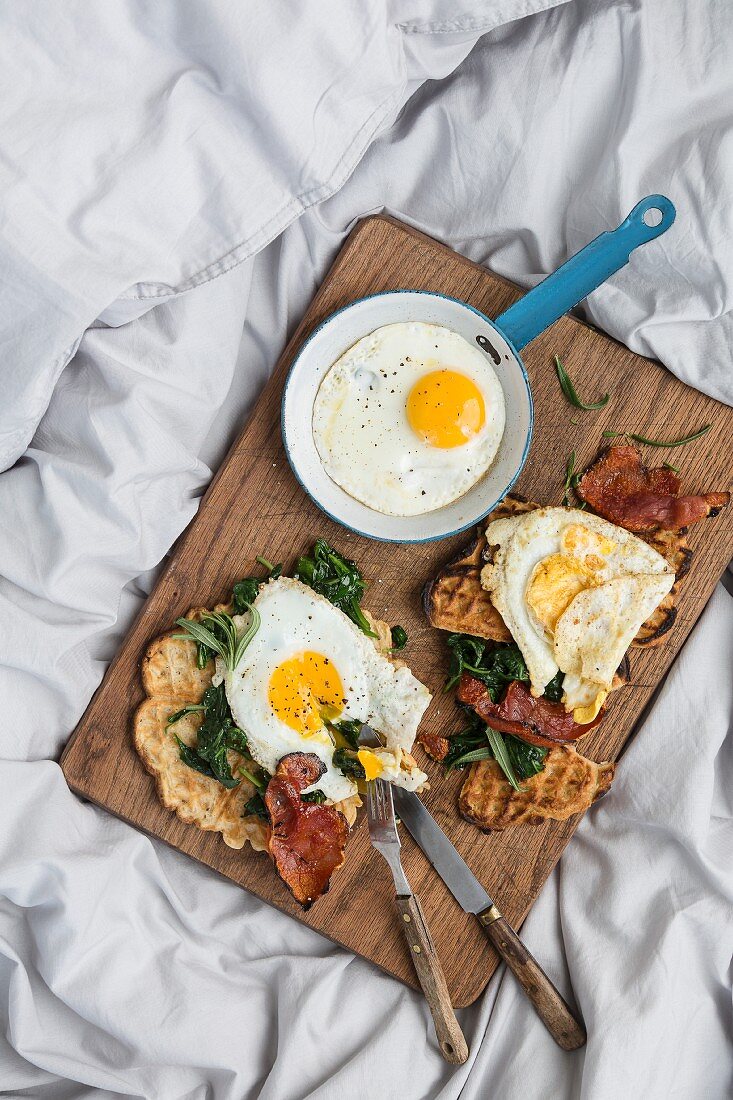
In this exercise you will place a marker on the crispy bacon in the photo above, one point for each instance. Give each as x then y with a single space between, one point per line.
621 488
535 720
434 745
307 840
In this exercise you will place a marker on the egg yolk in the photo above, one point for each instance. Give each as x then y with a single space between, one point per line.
554 584
446 409
370 762
305 690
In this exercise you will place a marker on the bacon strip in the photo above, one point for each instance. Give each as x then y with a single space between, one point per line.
535 720
621 488
307 840
434 745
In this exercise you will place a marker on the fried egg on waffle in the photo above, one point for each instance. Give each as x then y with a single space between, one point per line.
308 668
573 590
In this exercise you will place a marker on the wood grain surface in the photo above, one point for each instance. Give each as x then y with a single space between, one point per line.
254 505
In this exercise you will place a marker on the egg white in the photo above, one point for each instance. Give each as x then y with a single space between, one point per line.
593 633
295 619
362 432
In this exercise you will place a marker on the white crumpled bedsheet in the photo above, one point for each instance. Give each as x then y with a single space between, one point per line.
176 180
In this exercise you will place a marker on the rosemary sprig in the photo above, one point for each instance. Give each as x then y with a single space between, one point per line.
571 393
572 480
470 757
222 639
660 442
671 467
502 757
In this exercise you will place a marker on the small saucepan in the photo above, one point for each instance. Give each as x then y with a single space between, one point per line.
501 341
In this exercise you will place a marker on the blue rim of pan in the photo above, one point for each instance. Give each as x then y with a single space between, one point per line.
428 538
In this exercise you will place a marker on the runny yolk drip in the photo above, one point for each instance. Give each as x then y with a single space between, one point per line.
371 764
305 690
446 409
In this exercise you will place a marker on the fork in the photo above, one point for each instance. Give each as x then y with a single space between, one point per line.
384 837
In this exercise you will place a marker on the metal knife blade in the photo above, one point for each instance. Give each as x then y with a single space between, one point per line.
567 1031
452 868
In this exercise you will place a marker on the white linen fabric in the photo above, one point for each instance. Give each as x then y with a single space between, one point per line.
176 181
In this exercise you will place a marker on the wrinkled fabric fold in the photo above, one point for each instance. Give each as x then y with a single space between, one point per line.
151 279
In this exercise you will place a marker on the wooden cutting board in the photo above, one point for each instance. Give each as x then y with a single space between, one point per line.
255 506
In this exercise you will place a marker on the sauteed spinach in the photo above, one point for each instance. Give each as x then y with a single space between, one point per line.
337 578
216 735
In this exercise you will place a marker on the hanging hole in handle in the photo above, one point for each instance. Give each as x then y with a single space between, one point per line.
653 216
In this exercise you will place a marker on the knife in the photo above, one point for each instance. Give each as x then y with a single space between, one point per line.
473 898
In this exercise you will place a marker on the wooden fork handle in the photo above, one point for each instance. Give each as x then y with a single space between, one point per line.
453 1046
549 1005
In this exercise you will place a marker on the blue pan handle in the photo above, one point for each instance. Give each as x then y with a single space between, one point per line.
585 271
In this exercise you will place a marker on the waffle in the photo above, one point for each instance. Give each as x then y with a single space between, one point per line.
567 785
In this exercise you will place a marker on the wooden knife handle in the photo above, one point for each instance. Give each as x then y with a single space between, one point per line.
549 1005
432 979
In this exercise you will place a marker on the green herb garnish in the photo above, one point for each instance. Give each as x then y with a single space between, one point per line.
313 796
255 807
501 756
176 717
216 735
495 665
572 480
570 392
479 742
671 467
660 442
257 782
553 691
218 633
349 730
337 578
349 764
399 638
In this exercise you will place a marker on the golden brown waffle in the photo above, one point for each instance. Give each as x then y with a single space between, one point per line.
567 785
172 680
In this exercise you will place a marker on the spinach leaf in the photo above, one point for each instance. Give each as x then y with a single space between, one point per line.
216 735
465 743
190 757
313 796
256 807
472 743
526 759
237 739
399 637
176 717
496 665
245 593
348 763
553 691
349 731
337 578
